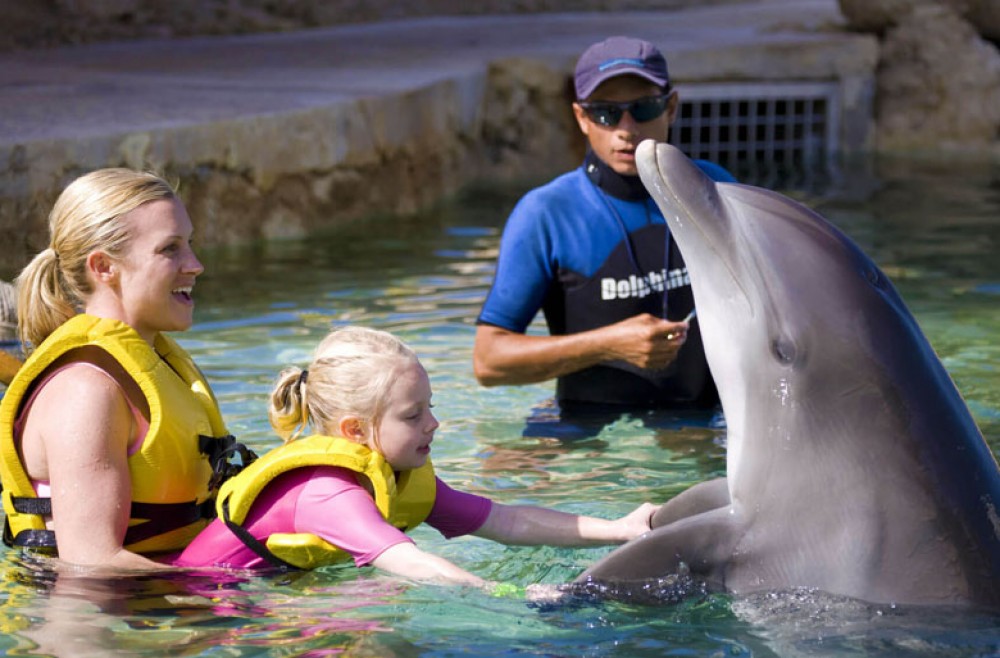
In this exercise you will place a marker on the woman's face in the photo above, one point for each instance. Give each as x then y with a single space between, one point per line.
158 269
406 430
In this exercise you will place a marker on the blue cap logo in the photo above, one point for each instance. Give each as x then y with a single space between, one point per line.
619 61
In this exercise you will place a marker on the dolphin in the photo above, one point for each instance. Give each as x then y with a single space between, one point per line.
853 465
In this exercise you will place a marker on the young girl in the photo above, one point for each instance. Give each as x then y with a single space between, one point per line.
351 490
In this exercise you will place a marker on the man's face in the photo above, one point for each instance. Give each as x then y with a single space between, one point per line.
616 145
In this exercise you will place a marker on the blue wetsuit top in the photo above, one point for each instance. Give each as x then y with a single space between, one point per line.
588 258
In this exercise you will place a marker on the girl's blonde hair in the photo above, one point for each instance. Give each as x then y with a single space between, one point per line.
350 375
86 217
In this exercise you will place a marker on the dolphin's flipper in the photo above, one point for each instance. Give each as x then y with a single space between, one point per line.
702 497
703 543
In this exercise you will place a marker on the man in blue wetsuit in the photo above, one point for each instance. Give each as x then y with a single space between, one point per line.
592 250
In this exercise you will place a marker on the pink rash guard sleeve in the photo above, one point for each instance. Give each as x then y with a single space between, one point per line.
456 513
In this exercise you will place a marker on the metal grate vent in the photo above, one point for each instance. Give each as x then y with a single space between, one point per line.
781 135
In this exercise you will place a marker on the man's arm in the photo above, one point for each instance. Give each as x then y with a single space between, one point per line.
501 356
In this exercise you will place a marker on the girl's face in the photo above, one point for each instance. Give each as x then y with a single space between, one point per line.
156 274
406 430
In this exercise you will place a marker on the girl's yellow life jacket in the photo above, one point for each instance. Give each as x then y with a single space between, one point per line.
405 500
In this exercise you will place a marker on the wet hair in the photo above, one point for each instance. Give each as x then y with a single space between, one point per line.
350 375
86 217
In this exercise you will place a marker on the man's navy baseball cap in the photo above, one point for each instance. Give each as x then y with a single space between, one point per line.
619 56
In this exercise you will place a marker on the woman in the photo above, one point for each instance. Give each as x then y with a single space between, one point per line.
108 432
350 491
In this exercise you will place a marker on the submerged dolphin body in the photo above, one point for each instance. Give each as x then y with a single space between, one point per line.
853 464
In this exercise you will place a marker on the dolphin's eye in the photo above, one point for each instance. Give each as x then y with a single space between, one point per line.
784 350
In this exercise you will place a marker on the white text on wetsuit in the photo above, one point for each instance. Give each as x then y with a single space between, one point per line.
640 286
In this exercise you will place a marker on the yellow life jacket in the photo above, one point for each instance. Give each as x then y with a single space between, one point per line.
404 501
171 471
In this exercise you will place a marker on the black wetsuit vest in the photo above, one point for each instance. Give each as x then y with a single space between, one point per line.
644 273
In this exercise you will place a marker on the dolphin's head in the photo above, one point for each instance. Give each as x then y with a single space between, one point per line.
790 309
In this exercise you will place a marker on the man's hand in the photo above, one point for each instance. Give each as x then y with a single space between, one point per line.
501 356
646 341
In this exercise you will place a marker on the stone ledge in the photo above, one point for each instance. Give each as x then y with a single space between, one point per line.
283 135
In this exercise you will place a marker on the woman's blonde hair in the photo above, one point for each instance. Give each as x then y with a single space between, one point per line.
86 217
350 375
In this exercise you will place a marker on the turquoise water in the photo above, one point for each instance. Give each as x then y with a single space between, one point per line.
936 233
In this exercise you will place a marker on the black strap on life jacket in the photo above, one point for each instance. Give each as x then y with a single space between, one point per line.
251 542
158 518
40 539
220 451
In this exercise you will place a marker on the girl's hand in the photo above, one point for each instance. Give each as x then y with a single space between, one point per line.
637 521
542 593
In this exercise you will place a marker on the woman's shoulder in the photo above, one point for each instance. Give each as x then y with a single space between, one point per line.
79 405
84 373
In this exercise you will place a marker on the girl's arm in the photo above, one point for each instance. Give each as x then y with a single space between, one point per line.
332 505
525 525
407 560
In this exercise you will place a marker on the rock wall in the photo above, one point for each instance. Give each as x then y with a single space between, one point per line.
388 167
291 174
266 176
38 23
880 15
274 136
938 78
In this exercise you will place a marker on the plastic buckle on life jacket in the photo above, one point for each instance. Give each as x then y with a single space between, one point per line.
220 451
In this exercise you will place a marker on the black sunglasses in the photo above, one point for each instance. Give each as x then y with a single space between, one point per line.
609 113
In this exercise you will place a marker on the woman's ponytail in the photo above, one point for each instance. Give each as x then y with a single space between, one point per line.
43 301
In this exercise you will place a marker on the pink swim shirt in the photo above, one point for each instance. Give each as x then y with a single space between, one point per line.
308 500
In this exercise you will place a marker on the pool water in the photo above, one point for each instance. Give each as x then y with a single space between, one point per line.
935 231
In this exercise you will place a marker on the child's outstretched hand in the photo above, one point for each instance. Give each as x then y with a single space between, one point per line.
543 593
637 521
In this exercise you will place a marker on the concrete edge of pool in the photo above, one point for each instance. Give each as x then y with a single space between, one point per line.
283 135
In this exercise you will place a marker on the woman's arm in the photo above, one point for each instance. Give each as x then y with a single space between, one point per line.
83 425
524 525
